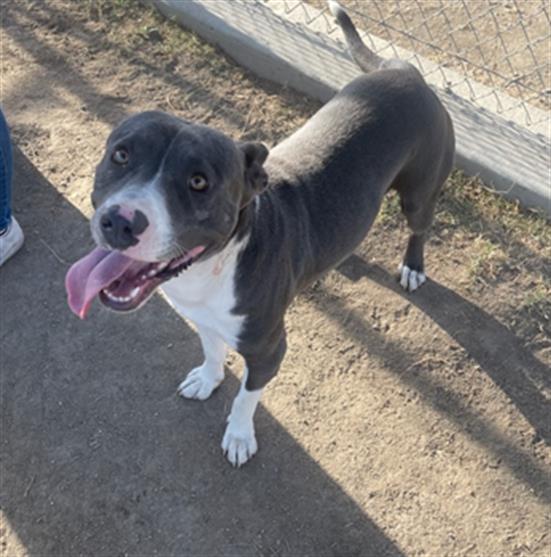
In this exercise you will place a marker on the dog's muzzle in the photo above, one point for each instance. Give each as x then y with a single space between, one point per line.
121 229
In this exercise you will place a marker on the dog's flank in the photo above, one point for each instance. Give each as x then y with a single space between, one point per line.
366 59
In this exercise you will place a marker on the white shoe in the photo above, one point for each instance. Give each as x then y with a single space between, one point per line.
10 241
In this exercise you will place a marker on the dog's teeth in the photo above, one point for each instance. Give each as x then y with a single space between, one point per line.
152 273
134 292
120 299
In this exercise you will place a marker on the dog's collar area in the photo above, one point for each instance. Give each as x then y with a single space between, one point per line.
243 221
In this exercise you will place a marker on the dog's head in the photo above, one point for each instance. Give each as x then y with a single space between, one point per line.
166 194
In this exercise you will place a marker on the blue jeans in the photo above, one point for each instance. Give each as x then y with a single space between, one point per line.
6 166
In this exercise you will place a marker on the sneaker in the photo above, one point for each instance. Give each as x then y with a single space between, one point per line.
10 240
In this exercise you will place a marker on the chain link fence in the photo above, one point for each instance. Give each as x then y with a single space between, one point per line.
505 45
489 60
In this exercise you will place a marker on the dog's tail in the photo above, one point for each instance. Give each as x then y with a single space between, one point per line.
364 57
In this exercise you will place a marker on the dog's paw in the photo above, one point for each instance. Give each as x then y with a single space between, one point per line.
411 280
239 444
200 382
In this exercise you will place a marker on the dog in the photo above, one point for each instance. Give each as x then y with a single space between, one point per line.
232 232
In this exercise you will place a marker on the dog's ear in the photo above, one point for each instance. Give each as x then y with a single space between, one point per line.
256 178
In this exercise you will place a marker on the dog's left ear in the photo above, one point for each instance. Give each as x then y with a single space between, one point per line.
256 178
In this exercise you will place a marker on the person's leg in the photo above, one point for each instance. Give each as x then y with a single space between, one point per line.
5 174
11 235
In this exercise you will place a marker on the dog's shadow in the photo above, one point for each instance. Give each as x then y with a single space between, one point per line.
499 353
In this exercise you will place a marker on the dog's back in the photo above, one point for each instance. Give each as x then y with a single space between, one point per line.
385 129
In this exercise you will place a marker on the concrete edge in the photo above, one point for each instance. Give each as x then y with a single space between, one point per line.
510 159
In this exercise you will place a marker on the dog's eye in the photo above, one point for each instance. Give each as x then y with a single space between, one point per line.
198 182
120 156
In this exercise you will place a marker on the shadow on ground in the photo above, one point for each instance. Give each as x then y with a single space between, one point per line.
102 457
500 354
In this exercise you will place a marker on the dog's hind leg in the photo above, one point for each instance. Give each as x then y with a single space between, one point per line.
201 381
419 187
419 217
412 268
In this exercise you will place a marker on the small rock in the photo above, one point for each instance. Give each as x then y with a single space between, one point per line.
154 35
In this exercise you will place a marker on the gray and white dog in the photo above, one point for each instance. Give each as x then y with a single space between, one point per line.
233 232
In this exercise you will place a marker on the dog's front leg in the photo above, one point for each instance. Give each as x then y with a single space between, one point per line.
201 381
239 442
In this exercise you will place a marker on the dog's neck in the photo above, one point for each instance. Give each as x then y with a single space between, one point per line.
244 220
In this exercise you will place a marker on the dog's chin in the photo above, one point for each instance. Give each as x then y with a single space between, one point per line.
136 285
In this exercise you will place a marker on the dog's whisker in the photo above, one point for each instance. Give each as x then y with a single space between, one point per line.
171 251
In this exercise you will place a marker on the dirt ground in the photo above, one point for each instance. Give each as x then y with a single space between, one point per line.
399 425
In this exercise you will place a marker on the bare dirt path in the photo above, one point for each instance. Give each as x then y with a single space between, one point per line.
399 425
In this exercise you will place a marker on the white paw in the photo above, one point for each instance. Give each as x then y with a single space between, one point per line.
200 382
411 280
239 444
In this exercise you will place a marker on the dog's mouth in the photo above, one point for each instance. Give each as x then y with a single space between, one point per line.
120 282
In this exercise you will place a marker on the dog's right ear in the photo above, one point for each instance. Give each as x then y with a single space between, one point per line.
256 178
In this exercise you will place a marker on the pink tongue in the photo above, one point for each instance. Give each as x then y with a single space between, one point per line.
89 275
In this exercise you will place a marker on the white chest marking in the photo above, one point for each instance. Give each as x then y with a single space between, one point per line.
205 293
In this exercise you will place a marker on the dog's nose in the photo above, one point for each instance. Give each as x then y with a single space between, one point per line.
120 232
